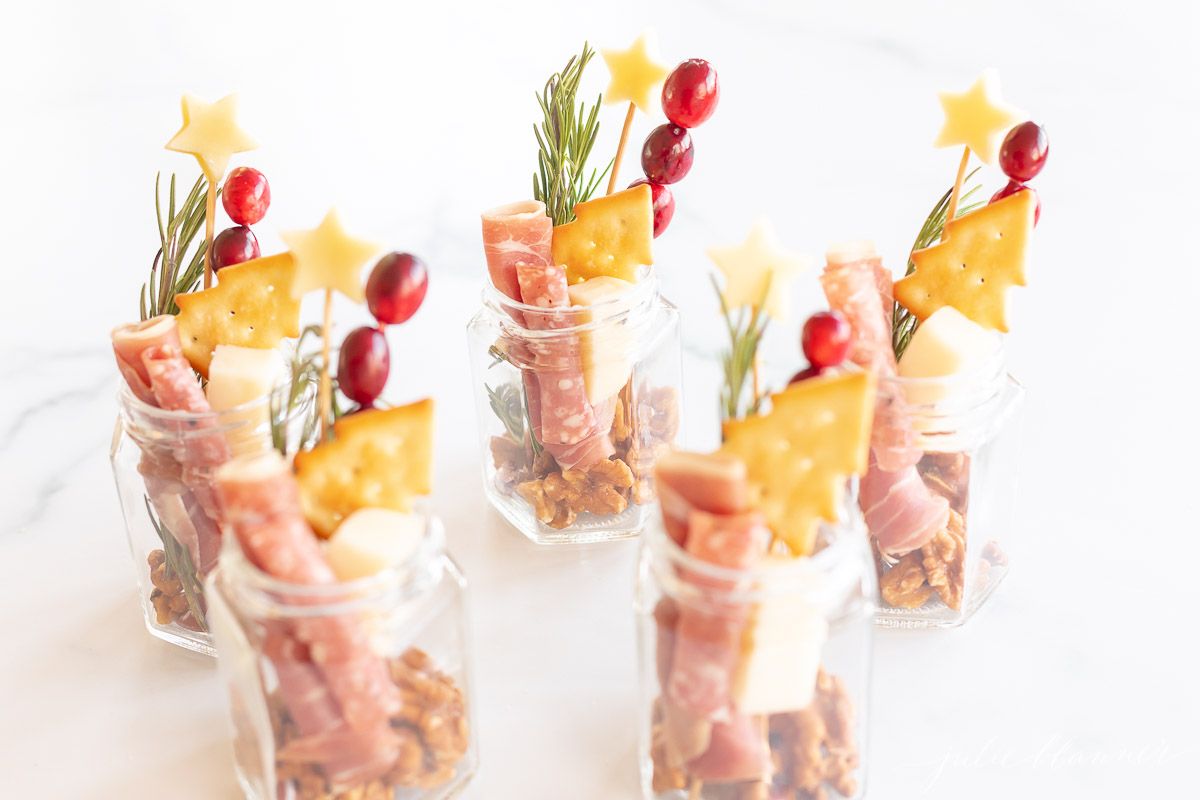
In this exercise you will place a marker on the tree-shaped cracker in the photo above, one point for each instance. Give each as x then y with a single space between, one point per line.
611 235
378 458
801 453
981 254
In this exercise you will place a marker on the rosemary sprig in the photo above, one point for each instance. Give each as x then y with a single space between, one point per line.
745 334
565 139
179 562
173 270
305 371
508 404
904 324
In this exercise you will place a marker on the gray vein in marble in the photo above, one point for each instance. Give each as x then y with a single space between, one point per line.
58 480
42 406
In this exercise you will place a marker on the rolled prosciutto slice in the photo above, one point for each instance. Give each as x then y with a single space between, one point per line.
857 285
902 513
177 477
708 637
515 234
261 502
131 340
346 756
738 750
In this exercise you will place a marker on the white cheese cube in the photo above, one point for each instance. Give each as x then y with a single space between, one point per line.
607 350
239 375
782 652
945 345
372 540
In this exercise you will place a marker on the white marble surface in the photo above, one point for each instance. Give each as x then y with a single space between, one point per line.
1077 680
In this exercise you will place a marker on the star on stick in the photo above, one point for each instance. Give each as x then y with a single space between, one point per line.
210 133
758 271
637 77
978 118
327 257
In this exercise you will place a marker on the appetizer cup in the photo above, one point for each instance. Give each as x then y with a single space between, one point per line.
593 480
163 463
964 442
353 689
754 682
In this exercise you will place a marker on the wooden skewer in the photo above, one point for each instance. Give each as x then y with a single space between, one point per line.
325 396
952 209
210 213
616 167
695 788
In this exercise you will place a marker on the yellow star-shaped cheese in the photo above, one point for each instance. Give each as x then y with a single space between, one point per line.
758 271
636 74
329 258
210 133
982 254
799 455
977 118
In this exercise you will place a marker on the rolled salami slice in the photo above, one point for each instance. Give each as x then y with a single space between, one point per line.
738 750
261 502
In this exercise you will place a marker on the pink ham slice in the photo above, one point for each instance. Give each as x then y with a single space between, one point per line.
705 481
857 285
178 481
261 502
901 511
738 751
131 340
708 638
346 757
515 234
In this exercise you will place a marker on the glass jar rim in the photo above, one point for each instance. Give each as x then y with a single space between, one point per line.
954 395
233 417
641 294
408 578
844 539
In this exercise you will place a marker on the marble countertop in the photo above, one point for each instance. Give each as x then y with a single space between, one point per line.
1075 680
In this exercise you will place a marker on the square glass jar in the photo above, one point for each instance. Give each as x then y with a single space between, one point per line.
784 717
354 689
592 480
163 463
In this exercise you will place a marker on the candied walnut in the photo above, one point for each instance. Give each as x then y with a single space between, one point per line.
949 475
167 597
814 748
657 414
944 559
622 425
904 586
560 496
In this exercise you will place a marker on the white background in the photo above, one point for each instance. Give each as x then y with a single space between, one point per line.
1078 678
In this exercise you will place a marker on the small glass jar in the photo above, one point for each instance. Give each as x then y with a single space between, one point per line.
939 502
402 636
574 405
163 463
754 682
